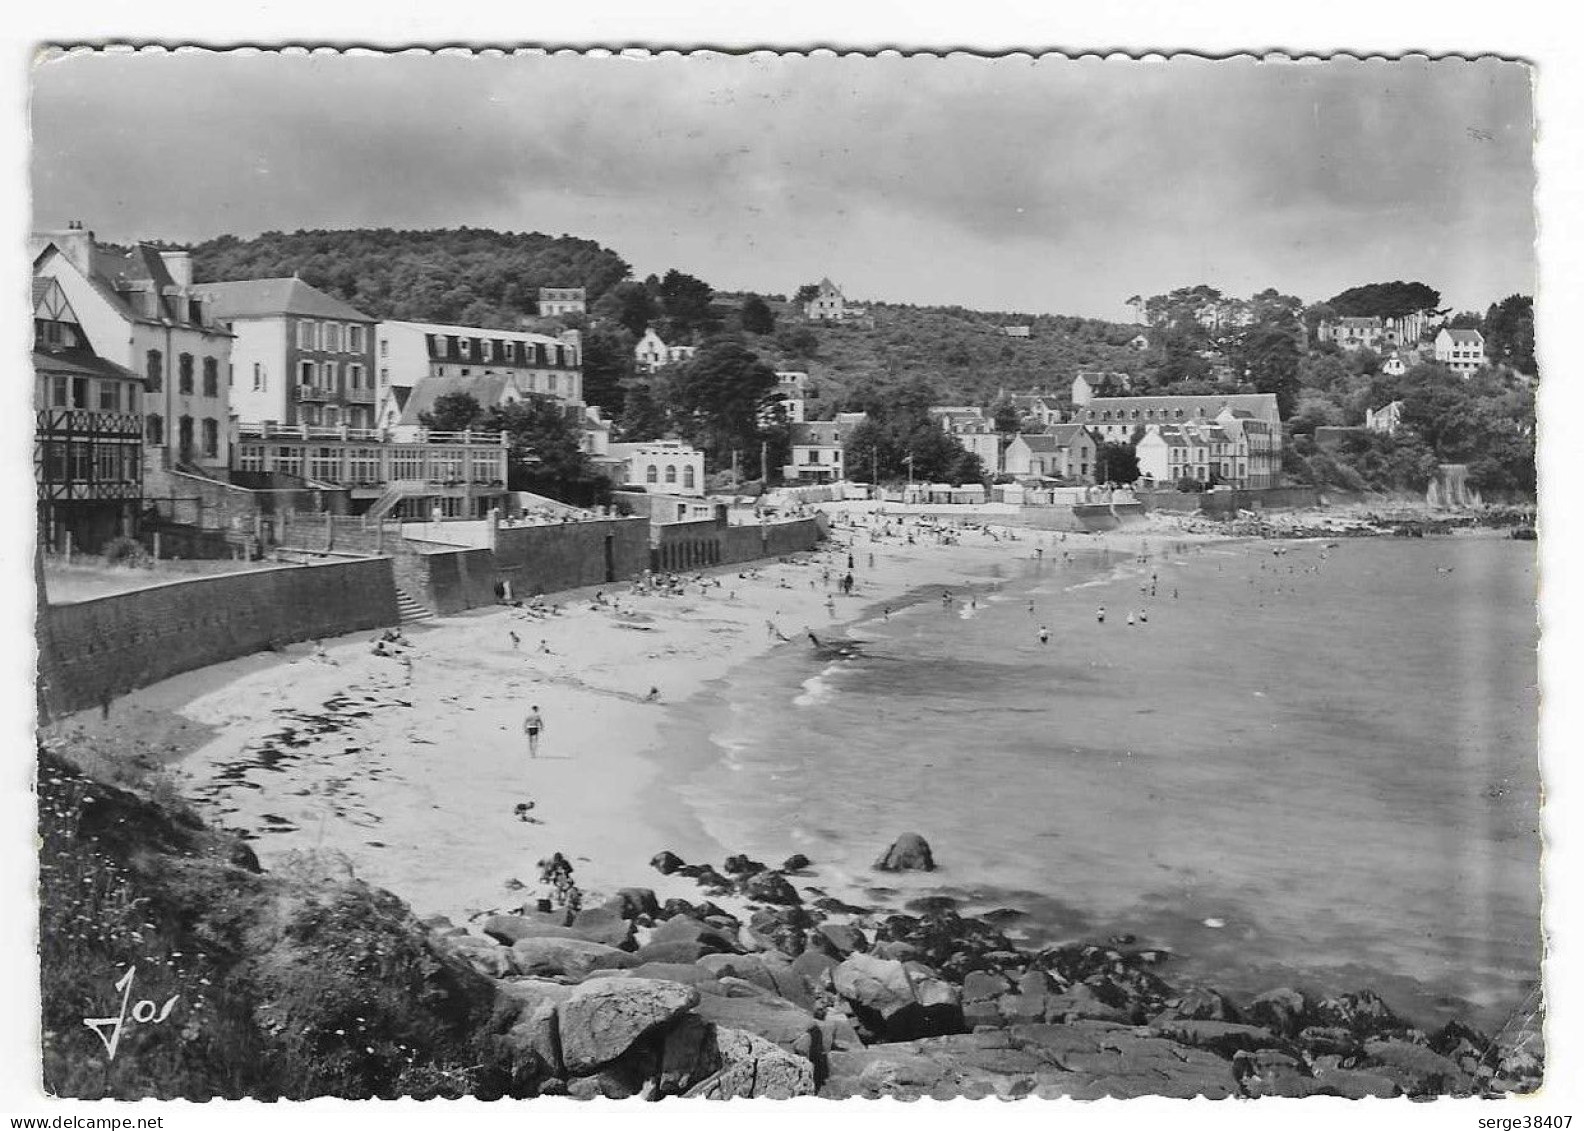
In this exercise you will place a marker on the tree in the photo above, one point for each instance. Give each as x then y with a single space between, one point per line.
1005 417
630 305
1466 320
720 395
756 316
686 303
453 412
1270 358
798 342
546 448
1385 300
608 364
805 294
1116 463
1510 335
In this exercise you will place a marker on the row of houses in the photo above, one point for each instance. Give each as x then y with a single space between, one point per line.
1401 341
150 387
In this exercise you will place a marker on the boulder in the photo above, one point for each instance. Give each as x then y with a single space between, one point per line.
1225 1038
619 1081
686 930
740 865
776 1020
1416 1069
1351 1084
604 925
666 862
813 967
688 1055
674 907
771 887
797 862
894 1003
633 903
1201 1004
840 939
534 1043
684 972
1364 1013
1083 1002
671 953
484 955
1282 1011
600 1020
908 853
570 958
754 1068
509 929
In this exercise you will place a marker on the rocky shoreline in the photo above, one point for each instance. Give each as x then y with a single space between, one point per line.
1361 522
801 994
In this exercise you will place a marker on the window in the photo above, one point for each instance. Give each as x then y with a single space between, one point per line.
154 429
671 476
508 352
211 377
79 392
384 347
687 476
305 373
109 396
184 437
258 377
465 347
440 345
305 335
332 337
550 383
486 350
652 475
184 374
355 376
154 368
211 437
354 339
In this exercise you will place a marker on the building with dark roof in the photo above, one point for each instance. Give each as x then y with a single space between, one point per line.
1462 351
301 356
1252 422
140 310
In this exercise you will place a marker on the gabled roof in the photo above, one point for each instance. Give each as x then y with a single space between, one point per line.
40 289
1065 434
260 298
488 390
1260 406
1466 337
117 277
1039 441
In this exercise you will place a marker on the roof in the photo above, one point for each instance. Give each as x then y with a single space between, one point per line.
118 276
1466 337
1369 323
1259 406
476 332
1065 434
81 363
1039 441
40 289
260 298
488 390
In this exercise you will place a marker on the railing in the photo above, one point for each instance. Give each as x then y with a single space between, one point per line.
269 430
306 394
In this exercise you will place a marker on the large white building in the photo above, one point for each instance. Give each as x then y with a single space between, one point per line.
827 305
410 352
819 448
1462 351
669 467
562 300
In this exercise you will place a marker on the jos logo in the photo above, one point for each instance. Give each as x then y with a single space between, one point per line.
145 1012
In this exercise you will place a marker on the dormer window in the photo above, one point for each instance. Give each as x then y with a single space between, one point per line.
486 350
465 346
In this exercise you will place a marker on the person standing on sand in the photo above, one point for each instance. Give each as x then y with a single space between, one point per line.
1044 635
1100 614
516 641
532 726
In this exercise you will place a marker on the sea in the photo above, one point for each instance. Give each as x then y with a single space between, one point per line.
1303 763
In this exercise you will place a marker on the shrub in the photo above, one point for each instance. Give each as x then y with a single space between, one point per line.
126 551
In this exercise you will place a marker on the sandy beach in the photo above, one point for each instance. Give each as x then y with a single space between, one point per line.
344 760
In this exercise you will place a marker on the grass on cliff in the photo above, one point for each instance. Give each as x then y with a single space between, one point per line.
280 986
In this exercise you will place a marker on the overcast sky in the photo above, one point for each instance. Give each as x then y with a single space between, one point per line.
1014 184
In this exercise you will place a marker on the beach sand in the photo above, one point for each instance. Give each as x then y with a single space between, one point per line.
413 782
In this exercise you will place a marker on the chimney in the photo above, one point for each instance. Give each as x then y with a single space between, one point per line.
76 244
179 264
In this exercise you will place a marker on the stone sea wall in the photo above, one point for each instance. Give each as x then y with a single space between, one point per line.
92 650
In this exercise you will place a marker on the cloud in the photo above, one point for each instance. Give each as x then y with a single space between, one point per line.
1144 167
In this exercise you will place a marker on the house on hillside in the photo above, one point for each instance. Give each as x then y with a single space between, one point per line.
87 432
651 352
1139 342
1387 419
139 310
827 305
819 449
1017 331
1462 351
1394 366
792 387
1039 409
1378 334
554 301
410 353
300 356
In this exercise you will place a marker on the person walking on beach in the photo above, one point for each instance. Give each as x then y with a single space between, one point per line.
516 641
532 726
1100 615
1130 618
1044 635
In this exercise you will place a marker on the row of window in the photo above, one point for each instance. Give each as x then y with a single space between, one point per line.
653 474
322 374
154 433
365 464
85 461
332 337
530 379
154 370
497 349
99 393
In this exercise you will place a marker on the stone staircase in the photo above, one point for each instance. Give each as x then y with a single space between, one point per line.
411 610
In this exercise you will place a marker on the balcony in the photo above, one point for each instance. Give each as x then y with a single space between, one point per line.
269 430
314 394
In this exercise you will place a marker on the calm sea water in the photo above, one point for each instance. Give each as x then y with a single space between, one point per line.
1316 768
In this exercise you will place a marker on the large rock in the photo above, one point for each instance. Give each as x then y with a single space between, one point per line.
605 925
688 1055
633 902
741 865
1416 1069
685 972
666 862
1284 1011
754 1068
681 929
484 955
908 853
510 929
569 958
1225 1038
1200 1004
770 971
893 1003
840 939
1364 1013
600 1020
777 1021
771 887
669 953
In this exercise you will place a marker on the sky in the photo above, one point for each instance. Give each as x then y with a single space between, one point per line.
1016 184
